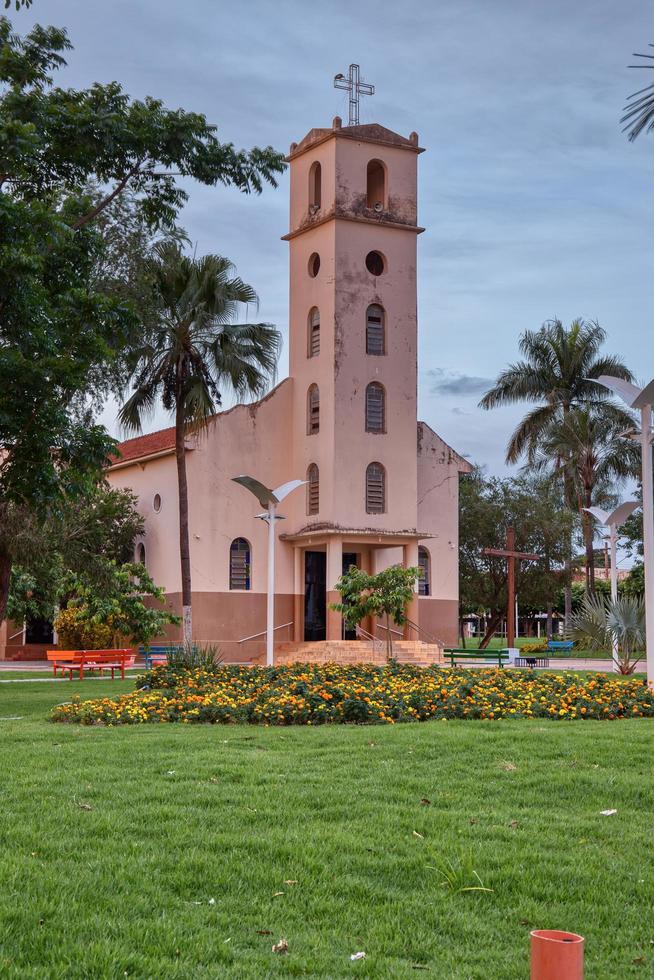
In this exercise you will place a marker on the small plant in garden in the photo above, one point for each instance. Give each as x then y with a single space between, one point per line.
192 655
386 594
600 622
458 874
533 647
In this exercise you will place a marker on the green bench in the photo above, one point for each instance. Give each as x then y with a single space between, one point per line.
455 654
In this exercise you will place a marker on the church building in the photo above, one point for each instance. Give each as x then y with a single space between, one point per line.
381 487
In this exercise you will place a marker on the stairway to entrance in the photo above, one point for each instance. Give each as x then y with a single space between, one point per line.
359 652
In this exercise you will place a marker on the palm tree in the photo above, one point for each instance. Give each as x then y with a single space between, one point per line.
619 626
589 449
194 351
556 375
639 111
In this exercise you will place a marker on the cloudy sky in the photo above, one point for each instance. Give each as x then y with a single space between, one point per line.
535 203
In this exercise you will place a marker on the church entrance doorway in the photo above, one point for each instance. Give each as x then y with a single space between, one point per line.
349 558
315 595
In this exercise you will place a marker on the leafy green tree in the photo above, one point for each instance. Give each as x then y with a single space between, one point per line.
588 448
116 613
634 584
62 338
555 375
542 524
386 594
195 352
82 535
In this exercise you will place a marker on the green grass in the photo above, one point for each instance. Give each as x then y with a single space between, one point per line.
157 851
23 675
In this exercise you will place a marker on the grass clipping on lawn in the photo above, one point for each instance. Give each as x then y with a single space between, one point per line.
312 694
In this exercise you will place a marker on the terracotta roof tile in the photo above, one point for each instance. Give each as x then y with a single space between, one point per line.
148 445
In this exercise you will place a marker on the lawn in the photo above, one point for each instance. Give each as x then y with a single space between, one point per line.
176 851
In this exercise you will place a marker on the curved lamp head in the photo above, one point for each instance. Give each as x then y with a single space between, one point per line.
264 495
615 517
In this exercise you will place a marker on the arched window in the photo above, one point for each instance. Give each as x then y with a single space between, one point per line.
313 332
140 554
315 180
375 489
375 408
239 564
313 489
375 329
424 564
376 185
313 410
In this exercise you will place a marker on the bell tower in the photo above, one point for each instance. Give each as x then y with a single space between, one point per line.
353 352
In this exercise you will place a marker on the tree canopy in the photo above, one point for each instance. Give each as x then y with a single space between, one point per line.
63 332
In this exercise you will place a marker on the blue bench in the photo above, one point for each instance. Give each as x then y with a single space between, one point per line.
560 646
154 654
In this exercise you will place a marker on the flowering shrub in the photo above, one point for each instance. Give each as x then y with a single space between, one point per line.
312 694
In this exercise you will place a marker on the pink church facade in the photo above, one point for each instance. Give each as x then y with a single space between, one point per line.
382 487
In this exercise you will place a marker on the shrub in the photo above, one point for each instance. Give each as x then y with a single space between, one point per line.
534 647
316 694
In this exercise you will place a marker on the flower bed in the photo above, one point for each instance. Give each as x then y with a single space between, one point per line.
307 694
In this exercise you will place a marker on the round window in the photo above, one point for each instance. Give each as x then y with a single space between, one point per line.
156 503
314 264
375 263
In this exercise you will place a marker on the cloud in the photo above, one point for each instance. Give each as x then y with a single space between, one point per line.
443 382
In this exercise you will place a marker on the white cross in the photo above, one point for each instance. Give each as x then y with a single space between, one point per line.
356 87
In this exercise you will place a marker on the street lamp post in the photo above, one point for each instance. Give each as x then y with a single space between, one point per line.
613 521
642 400
269 499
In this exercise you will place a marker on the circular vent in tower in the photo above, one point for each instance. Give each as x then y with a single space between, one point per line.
314 265
375 263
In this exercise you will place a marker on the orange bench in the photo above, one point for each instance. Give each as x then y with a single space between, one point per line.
72 661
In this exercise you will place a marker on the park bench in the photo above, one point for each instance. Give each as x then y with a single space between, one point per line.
560 646
455 654
78 661
154 655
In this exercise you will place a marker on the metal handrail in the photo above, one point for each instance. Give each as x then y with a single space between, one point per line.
19 633
256 636
422 632
414 626
375 641
380 626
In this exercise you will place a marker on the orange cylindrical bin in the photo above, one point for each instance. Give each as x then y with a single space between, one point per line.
556 955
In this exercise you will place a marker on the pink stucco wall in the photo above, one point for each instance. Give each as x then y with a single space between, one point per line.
269 440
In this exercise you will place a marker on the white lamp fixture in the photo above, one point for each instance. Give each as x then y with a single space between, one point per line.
642 400
613 521
269 499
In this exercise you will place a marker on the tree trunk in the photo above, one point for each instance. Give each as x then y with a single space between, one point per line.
184 547
5 577
463 633
491 628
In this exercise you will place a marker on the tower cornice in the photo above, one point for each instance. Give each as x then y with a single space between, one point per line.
359 219
367 133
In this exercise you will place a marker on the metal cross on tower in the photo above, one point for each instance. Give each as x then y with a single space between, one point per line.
356 87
